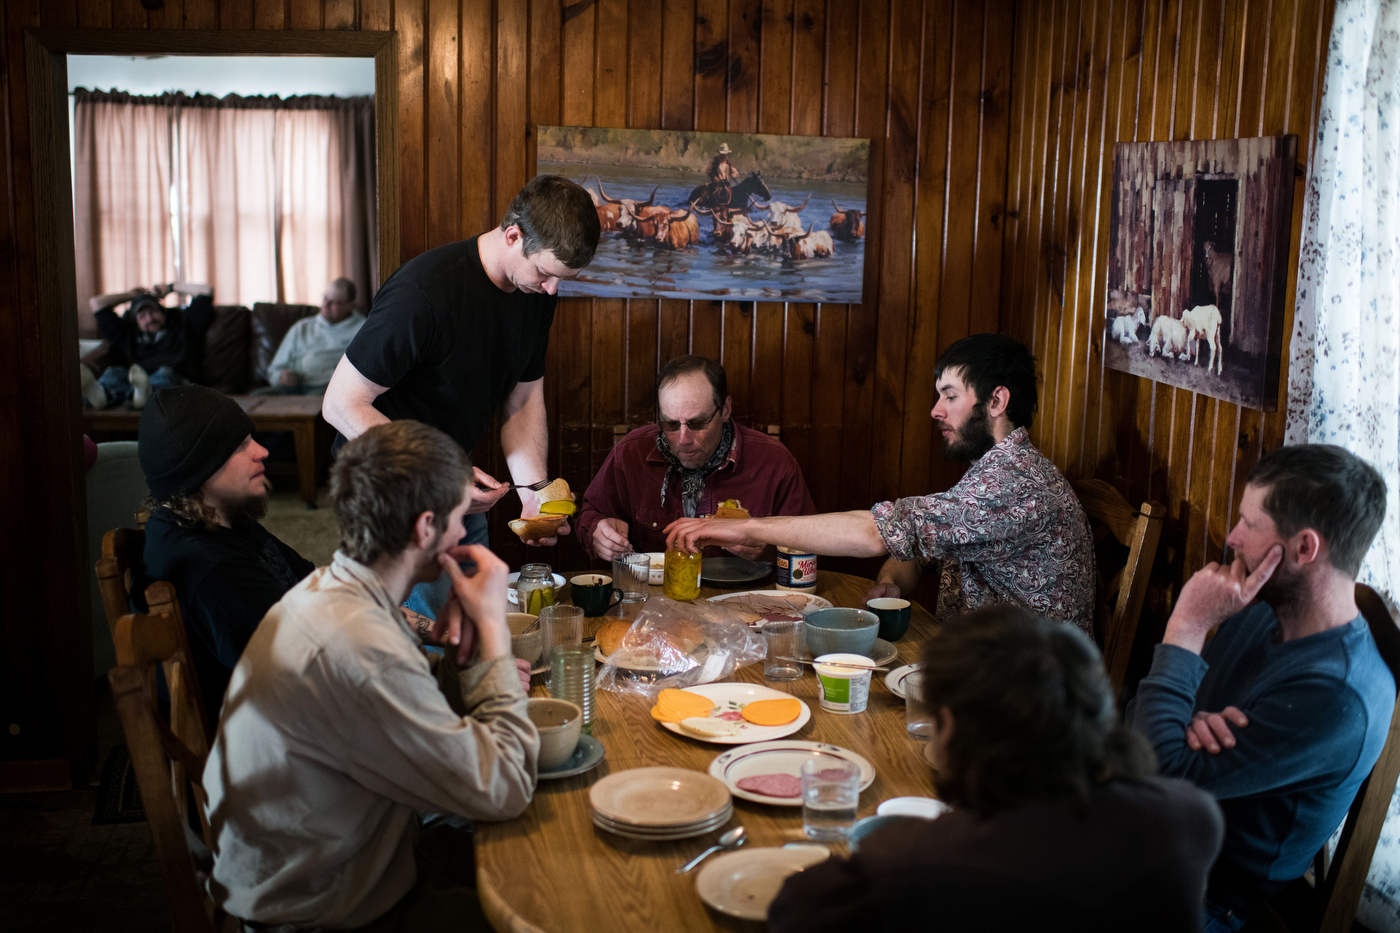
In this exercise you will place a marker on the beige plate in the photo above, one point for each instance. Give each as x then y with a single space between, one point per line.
743 883
658 797
652 835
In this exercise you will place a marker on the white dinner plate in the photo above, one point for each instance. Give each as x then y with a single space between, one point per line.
895 678
732 697
744 882
928 808
660 797
781 757
685 833
807 601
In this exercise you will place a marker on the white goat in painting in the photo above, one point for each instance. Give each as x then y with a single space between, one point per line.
1203 323
1168 337
1125 326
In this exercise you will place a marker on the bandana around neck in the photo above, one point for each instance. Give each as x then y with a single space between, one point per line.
693 481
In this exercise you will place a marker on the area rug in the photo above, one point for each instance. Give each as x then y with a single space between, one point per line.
118 797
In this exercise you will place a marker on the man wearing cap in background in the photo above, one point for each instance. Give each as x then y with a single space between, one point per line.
150 346
205 474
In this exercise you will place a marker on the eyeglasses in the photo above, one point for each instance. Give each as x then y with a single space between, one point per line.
695 424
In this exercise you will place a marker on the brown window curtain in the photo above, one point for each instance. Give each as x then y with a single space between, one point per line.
274 198
121 196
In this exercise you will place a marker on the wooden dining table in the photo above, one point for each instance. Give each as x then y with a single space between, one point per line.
551 870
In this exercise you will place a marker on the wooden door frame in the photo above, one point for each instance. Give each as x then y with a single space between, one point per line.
67 643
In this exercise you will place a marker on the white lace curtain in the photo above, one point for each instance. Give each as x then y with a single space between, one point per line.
1344 372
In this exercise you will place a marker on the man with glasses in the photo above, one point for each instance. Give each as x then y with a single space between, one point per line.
688 463
1010 531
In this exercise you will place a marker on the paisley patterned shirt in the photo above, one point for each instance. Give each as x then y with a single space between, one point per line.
1010 531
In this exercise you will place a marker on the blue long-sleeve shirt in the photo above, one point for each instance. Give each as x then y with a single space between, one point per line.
1319 708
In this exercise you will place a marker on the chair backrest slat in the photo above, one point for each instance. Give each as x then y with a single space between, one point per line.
1341 890
192 910
1139 530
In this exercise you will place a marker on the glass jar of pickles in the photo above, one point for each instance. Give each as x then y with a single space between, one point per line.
536 588
681 578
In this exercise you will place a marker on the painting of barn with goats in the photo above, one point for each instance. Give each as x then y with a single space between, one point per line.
717 215
1198 253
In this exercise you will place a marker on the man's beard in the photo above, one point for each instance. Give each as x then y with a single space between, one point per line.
973 439
1283 591
249 509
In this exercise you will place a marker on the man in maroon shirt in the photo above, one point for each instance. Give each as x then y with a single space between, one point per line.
694 458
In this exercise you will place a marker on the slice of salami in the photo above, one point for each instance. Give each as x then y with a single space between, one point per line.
772 785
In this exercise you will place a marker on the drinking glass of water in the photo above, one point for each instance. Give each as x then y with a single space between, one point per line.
830 792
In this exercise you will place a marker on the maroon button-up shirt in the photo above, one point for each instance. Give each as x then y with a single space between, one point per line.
760 472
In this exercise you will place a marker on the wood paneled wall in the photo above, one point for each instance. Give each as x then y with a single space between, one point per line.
929 81
1090 73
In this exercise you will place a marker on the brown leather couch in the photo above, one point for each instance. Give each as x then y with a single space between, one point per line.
238 346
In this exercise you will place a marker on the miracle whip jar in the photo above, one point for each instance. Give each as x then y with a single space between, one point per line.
797 571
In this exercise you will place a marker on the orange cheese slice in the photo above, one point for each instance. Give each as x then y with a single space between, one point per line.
772 712
674 705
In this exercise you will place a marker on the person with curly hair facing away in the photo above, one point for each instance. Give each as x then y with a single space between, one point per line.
1056 821
205 474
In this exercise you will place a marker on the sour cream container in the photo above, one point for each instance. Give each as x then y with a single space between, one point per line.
797 571
844 689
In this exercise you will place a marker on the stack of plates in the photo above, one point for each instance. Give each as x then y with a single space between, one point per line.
660 804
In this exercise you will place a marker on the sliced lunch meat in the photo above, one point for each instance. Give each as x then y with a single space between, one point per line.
772 785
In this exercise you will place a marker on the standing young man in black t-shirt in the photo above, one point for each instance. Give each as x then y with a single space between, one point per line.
461 331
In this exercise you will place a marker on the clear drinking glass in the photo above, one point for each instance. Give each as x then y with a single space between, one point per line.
786 639
571 678
559 625
631 573
916 715
628 609
830 794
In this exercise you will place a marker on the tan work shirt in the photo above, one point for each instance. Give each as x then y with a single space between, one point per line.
334 733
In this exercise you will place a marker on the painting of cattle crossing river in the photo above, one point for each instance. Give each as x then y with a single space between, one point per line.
717 215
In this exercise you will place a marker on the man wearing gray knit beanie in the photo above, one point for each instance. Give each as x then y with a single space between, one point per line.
205 473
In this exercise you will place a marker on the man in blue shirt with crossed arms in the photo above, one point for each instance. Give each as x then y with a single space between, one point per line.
1282 715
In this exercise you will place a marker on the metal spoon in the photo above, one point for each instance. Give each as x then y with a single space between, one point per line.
730 840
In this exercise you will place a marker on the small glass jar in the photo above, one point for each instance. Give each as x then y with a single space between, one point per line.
536 588
681 578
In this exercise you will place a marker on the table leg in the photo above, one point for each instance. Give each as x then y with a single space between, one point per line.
305 435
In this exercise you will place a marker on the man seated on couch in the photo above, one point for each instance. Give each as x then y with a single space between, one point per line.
205 473
150 346
312 349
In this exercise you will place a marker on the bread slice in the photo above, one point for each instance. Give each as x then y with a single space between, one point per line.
610 634
559 489
706 728
730 508
533 529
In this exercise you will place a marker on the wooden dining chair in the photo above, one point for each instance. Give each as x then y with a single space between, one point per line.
1339 891
168 760
1120 591
121 554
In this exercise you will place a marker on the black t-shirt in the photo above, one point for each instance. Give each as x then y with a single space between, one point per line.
1136 861
180 343
226 580
449 344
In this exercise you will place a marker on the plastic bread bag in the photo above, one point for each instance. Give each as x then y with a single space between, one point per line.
676 644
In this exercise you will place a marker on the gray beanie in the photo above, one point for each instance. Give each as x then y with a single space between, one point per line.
187 433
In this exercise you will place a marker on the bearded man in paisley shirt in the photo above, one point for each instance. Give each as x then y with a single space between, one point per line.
1010 531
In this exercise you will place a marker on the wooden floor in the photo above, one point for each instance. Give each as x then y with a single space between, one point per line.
59 873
